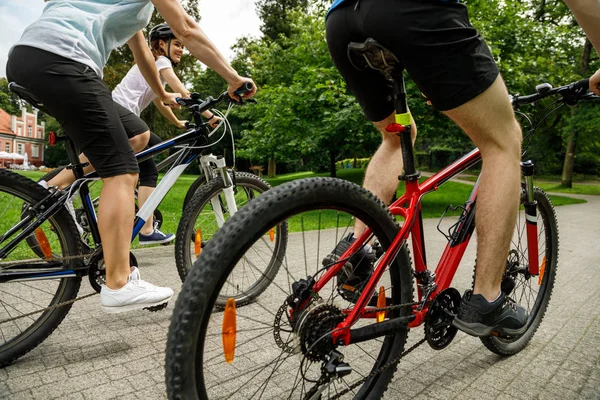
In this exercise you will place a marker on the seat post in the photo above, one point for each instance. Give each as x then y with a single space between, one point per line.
73 154
404 118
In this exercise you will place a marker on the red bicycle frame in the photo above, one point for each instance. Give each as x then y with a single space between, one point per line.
409 207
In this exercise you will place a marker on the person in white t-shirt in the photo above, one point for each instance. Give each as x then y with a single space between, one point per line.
135 94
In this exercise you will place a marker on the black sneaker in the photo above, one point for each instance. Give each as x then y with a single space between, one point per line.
355 272
478 317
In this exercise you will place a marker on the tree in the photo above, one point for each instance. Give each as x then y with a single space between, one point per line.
276 16
9 101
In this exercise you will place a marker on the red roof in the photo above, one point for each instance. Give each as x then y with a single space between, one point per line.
5 123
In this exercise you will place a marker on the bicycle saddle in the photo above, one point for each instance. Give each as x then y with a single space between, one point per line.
371 54
28 97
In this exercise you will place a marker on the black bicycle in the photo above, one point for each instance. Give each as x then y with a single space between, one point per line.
42 256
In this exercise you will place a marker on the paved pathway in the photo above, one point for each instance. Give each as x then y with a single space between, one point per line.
97 356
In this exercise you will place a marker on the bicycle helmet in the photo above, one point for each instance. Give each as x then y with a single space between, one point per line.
163 32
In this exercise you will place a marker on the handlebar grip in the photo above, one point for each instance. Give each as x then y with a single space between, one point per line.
246 87
582 84
180 101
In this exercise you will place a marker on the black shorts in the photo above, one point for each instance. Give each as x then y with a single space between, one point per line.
442 52
80 101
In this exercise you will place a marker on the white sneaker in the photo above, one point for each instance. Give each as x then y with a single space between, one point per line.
136 294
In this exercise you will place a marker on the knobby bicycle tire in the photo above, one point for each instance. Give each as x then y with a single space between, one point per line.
184 370
64 227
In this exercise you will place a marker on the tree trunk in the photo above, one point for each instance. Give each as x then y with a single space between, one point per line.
568 166
332 171
567 175
271 169
355 165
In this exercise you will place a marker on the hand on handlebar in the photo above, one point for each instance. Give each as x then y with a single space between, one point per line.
595 83
214 121
239 89
182 124
170 99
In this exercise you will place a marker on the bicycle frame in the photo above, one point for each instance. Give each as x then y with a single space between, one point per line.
409 208
53 269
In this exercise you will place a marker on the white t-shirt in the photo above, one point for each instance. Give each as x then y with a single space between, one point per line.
133 92
86 31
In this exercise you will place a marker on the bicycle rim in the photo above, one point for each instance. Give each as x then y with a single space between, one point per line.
17 336
202 222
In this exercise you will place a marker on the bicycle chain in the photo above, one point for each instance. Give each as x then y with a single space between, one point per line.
50 308
64 303
41 261
379 370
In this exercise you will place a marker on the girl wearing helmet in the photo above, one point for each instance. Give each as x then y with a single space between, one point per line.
135 94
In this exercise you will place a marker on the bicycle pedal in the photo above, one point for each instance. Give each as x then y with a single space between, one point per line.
157 308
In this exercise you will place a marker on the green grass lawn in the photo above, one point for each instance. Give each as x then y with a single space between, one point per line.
593 188
434 204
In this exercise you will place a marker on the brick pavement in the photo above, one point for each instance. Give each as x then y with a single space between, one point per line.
97 356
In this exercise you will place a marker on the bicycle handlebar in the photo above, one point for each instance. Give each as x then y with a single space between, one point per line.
571 93
203 105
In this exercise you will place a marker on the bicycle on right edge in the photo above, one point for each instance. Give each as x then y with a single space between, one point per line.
305 337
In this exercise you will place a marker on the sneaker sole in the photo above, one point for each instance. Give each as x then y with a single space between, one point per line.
144 243
476 329
132 307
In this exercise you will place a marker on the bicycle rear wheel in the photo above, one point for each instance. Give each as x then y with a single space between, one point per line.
531 292
19 333
200 218
279 353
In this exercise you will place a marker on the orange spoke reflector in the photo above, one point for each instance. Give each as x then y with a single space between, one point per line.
229 330
542 269
42 240
272 234
381 304
198 242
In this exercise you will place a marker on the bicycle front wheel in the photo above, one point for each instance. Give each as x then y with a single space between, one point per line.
531 292
21 327
200 221
279 349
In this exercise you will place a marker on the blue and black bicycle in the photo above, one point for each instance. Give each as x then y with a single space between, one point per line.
43 257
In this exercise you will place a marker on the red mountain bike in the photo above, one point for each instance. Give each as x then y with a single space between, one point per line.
304 337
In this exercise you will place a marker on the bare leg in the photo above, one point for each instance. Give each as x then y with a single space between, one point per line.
66 177
116 205
143 193
489 121
381 177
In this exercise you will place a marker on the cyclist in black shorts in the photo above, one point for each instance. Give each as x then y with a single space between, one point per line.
453 67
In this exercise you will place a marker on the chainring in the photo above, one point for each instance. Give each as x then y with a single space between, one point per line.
97 270
439 330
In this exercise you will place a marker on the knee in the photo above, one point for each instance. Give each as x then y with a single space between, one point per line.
128 180
139 142
507 142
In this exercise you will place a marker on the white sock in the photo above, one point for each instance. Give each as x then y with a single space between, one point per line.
43 184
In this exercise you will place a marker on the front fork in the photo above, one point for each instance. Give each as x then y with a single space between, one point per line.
531 218
207 161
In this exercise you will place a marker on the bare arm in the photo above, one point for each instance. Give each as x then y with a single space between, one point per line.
168 114
188 31
147 67
174 83
587 14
